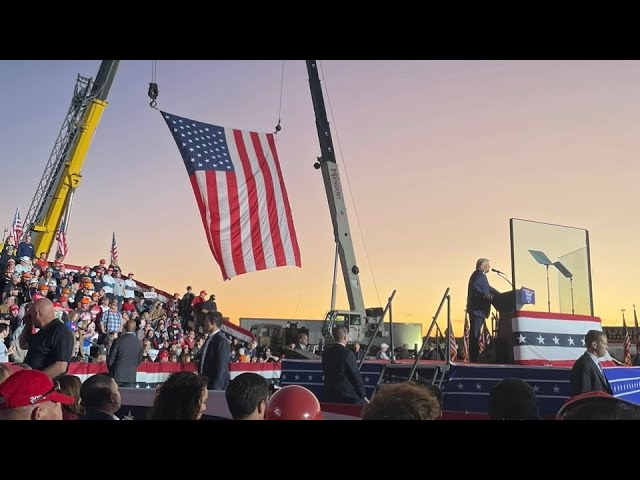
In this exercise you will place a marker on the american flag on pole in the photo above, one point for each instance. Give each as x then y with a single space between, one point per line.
465 342
627 343
636 330
114 250
241 195
481 340
61 238
16 228
453 345
486 335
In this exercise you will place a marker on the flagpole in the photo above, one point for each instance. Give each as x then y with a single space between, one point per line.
636 331
626 353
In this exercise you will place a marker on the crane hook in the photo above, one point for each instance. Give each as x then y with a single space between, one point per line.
153 94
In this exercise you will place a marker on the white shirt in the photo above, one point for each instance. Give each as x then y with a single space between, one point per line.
108 282
382 355
4 358
597 362
129 288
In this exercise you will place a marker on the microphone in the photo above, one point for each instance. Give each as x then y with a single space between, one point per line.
498 271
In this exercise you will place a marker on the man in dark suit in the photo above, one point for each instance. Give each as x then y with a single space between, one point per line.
479 297
125 356
216 353
342 380
587 374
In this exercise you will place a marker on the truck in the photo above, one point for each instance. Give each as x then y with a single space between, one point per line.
279 332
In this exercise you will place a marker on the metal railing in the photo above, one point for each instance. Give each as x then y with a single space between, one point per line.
434 323
380 323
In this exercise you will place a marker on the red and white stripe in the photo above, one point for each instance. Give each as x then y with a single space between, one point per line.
236 331
61 238
627 344
158 372
453 345
552 323
114 250
246 212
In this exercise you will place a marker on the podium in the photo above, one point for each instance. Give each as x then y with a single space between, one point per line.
514 299
507 304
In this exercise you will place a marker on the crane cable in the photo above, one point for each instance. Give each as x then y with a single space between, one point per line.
153 86
278 127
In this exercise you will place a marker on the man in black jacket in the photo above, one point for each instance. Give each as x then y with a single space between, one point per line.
587 374
125 356
216 353
342 380
185 309
479 297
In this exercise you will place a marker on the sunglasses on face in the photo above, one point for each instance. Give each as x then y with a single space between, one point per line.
37 398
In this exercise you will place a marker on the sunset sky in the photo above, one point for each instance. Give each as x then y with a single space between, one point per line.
439 155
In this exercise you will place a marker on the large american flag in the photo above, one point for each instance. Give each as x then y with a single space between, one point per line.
114 250
16 228
61 238
240 192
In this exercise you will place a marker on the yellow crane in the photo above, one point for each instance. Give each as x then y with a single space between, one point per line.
52 202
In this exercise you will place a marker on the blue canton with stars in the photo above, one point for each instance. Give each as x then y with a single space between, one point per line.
548 339
202 146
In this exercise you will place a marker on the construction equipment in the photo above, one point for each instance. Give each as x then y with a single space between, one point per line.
62 174
360 323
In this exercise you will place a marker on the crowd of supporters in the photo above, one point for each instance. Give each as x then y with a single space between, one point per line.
96 303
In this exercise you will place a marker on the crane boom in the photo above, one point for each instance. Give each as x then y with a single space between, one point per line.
335 196
62 173
358 320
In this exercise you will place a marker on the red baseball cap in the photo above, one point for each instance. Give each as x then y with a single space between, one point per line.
202 292
579 398
30 387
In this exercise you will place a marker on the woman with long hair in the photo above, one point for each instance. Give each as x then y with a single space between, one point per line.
70 385
182 397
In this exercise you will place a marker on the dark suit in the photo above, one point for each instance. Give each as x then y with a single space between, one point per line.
96 415
216 354
342 380
123 360
478 308
587 377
